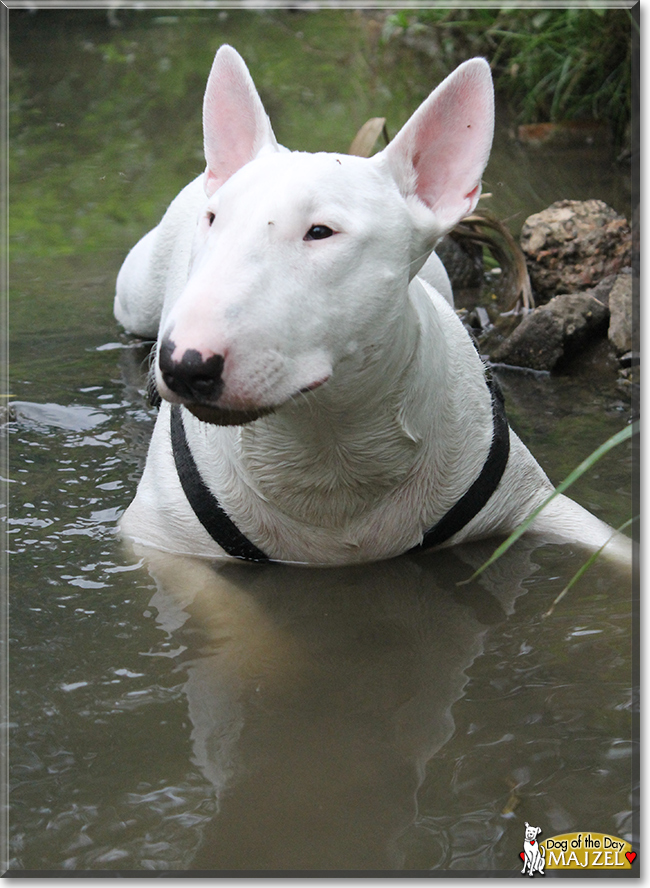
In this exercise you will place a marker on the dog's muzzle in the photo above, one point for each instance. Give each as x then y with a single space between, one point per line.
199 383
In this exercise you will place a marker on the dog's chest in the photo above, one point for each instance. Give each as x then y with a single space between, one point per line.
326 478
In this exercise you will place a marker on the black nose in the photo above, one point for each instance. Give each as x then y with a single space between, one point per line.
191 377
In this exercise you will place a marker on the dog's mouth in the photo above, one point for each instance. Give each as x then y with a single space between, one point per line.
208 412
223 417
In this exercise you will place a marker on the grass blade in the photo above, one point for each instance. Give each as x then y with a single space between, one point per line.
585 567
624 435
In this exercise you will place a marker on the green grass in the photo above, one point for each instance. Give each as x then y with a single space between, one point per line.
552 64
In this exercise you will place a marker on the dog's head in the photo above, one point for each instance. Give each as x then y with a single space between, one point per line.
531 832
301 262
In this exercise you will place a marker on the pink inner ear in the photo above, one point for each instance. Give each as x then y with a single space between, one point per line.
235 125
447 141
473 195
229 131
454 143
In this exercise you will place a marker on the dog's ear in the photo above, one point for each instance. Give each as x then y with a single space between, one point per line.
235 124
440 153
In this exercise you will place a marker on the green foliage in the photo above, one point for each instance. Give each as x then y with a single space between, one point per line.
105 122
553 64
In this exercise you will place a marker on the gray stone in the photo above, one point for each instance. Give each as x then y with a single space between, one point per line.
602 290
573 245
629 359
620 307
554 332
537 343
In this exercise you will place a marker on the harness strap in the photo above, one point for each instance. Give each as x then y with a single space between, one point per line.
227 535
205 505
477 496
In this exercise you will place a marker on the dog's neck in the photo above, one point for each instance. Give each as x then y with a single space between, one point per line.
374 431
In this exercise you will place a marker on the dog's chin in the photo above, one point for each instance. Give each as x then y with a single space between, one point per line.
224 417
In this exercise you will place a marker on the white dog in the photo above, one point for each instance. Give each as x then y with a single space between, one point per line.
322 402
533 855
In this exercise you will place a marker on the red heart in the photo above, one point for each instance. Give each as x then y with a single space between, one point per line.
532 841
522 855
631 855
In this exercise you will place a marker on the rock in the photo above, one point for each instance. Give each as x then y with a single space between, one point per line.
573 245
629 359
537 343
602 290
554 332
620 308
629 379
482 317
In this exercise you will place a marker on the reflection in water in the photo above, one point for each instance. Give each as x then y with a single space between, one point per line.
317 697
180 716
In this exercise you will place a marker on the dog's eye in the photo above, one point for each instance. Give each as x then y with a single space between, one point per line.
210 218
318 232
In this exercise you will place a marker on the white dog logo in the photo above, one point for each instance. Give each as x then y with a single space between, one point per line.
533 855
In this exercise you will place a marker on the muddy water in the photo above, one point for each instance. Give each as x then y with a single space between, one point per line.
169 715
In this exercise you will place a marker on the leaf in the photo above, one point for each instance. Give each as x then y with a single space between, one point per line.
366 138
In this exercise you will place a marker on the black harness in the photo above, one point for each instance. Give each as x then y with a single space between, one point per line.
224 532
